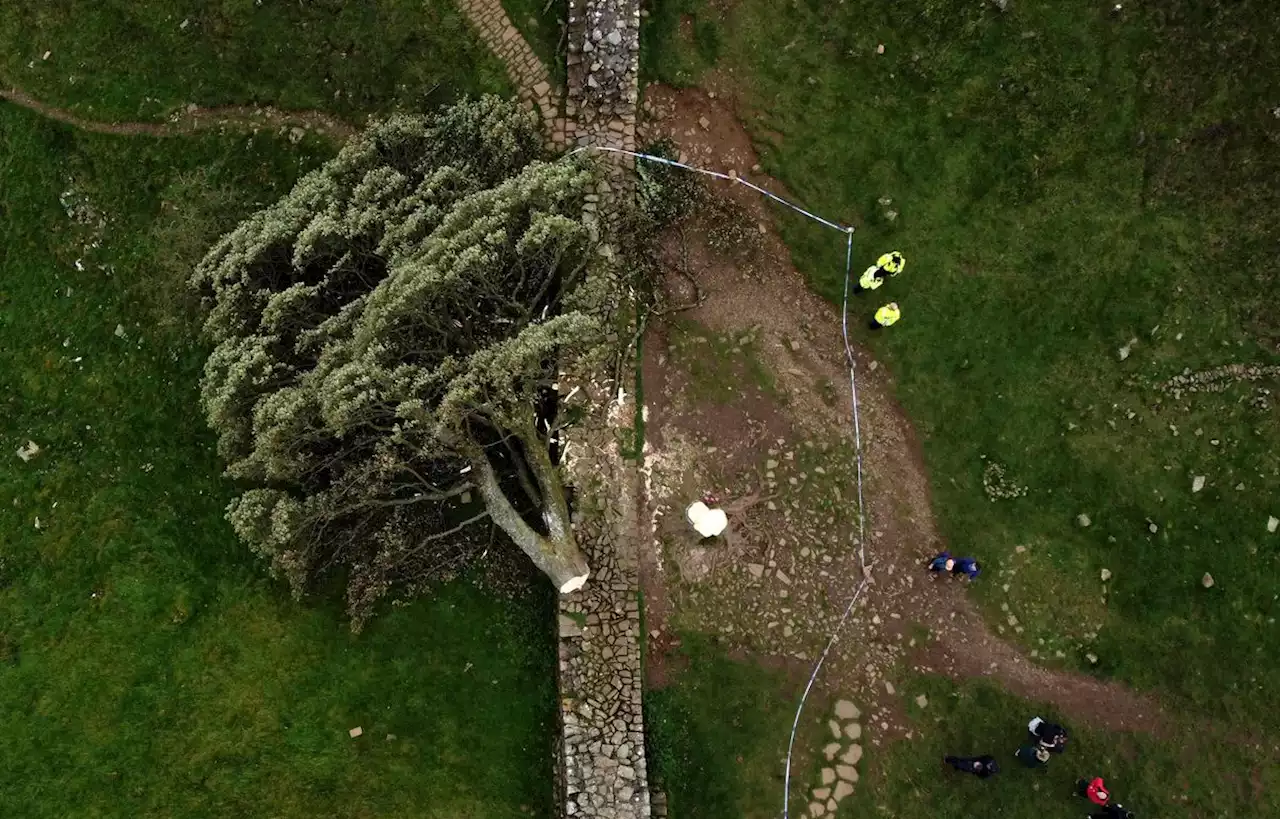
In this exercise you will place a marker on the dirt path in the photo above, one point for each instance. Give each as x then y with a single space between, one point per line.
778 587
193 118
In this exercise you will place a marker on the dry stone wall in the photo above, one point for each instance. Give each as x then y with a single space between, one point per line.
603 85
603 752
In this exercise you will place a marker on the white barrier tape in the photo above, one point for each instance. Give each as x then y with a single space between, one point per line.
664 161
857 431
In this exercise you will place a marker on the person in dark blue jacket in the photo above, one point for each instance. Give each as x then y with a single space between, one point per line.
980 766
966 565
944 562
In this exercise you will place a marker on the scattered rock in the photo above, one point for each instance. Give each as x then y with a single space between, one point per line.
880 48
1207 581
844 789
355 732
1106 575
1083 520
1127 349
782 577
1092 658
120 333
1273 523
1003 5
756 569
847 710
1197 483
922 701
28 451
888 687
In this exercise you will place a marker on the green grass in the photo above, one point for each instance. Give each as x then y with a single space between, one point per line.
679 39
135 59
147 666
718 734
542 23
1064 180
1152 778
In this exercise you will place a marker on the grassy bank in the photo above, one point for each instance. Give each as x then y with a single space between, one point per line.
147 667
144 59
719 733
1086 200
1151 777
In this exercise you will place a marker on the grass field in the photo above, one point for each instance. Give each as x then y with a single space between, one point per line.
147 666
1063 180
144 59
719 737
716 736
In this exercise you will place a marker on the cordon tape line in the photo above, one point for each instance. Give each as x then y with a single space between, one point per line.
852 363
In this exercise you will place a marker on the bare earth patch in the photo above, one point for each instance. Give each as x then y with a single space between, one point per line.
748 400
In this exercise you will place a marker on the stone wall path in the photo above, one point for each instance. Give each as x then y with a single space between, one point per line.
605 774
533 83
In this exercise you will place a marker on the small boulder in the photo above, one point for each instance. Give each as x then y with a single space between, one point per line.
1106 575
847 773
922 701
852 756
844 789
1197 483
1273 523
853 730
355 732
830 751
1207 581
828 776
1083 520
817 809
28 451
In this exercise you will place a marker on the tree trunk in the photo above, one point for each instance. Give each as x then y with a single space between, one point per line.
557 555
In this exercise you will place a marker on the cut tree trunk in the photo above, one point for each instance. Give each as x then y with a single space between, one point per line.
556 554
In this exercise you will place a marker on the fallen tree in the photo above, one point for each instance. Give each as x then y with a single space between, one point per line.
382 337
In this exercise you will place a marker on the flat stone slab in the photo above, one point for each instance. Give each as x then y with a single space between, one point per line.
847 710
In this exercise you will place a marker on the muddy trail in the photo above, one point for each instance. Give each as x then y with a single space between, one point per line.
775 452
194 118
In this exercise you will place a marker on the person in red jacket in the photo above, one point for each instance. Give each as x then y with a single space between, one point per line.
1094 790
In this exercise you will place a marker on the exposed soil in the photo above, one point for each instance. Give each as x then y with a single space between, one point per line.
778 583
192 118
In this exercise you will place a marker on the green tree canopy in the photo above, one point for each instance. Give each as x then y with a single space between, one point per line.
382 337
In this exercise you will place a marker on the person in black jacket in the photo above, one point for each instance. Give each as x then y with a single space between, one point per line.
1050 736
980 766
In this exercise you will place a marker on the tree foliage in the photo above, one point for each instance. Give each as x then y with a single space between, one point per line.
381 338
